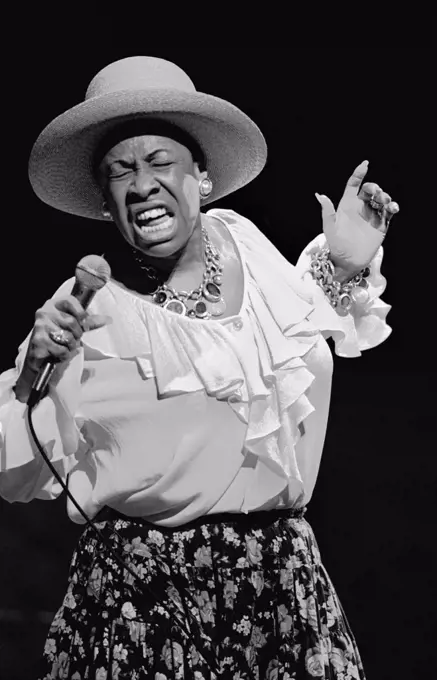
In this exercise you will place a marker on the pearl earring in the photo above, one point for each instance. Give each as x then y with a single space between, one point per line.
205 187
106 213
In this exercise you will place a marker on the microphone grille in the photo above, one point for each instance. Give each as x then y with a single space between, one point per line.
93 272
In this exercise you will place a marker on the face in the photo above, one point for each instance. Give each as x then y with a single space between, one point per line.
151 185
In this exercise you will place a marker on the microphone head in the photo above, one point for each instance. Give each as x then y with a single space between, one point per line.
93 272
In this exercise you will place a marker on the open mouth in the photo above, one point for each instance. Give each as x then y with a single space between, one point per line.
154 220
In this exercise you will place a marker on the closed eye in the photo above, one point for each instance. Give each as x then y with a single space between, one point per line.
120 169
118 173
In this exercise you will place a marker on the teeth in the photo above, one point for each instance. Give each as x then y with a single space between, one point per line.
151 214
158 227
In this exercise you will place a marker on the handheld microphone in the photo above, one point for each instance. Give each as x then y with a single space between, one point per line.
92 273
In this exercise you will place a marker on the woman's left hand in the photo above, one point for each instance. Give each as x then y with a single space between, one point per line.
357 228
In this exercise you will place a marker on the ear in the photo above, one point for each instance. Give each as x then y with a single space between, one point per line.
199 174
106 198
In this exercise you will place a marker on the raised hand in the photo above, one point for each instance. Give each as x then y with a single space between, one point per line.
355 230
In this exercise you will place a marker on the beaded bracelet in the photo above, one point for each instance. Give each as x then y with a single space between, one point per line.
340 295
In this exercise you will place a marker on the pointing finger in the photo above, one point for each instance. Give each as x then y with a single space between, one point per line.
355 180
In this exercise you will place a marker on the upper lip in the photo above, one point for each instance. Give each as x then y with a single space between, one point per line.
138 209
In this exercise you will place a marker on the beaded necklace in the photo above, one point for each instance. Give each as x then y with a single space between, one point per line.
202 302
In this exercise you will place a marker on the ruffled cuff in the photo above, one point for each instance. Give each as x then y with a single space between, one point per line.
364 326
23 473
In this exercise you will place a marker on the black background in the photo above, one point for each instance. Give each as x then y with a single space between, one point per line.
322 112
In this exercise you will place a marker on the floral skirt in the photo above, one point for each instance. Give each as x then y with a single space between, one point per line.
228 596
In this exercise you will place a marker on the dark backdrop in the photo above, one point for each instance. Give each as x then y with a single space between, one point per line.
322 111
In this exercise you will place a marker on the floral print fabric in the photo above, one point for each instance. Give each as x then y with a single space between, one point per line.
250 593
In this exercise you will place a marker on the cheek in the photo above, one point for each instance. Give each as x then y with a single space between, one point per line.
115 196
110 198
190 190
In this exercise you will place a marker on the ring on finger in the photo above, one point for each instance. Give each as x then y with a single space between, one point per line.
61 337
375 205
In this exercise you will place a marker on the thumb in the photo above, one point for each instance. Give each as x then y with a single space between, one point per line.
327 205
328 211
94 321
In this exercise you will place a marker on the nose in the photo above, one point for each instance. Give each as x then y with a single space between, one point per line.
144 183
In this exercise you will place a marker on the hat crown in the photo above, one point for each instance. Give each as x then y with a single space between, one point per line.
139 73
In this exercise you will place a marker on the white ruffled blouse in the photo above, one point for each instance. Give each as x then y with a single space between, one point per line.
170 418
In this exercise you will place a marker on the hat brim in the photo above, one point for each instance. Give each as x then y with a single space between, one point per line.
60 165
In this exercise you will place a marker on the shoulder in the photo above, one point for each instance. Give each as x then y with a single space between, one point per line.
240 226
230 217
245 232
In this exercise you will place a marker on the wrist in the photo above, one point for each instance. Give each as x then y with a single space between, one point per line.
341 273
344 289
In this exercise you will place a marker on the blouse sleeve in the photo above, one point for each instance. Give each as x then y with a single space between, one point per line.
364 326
23 473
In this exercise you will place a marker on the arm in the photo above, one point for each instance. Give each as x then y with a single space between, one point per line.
23 473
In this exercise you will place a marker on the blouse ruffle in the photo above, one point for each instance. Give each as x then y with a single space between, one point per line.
261 371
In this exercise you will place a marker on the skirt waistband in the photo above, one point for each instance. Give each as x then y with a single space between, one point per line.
260 518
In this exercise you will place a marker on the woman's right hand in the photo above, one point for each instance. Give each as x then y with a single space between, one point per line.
66 314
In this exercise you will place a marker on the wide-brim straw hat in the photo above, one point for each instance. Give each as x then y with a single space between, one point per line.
61 162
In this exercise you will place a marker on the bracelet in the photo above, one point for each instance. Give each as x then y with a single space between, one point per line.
340 295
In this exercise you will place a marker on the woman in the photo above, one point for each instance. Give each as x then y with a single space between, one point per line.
189 407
